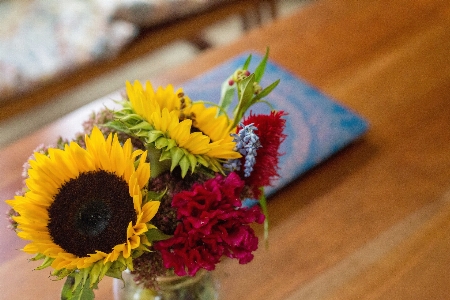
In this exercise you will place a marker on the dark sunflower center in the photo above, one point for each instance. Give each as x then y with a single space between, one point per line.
93 217
91 212
191 117
195 129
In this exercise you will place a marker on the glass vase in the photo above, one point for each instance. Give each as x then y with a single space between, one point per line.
202 286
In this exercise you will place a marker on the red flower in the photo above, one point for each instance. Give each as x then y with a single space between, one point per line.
212 224
270 133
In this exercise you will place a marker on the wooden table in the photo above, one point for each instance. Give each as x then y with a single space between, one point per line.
371 222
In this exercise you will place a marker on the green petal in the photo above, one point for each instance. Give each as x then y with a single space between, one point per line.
95 272
114 270
155 234
176 154
142 126
153 136
105 268
165 155
161 143
192 161
201 160
184 164
46 263
170 144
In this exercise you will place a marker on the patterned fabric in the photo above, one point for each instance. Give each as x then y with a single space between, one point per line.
40 39
147 13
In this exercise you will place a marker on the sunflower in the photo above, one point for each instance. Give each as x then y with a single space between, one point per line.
86 208
185 132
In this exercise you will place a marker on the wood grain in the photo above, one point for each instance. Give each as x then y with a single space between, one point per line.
390 63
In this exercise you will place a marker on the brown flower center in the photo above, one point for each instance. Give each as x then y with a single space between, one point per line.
91 212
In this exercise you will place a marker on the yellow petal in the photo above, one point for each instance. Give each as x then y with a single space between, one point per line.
140 228
149 210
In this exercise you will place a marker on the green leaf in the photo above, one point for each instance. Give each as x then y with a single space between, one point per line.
161 143
267 90
67 292
176 154
130 119
153 136
118 126
155 234
129 263
115 269
260 69
227 91
85 274
170 144
216 166
226 97
46 263
202 160
192 161
159 160
165 155
105 268
248 88
184 165
81 291
142 126
245 98
263 204
156 195
38 256
62 273
247 62
95 272
191 158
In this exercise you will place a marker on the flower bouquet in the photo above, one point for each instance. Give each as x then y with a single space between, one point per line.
155 188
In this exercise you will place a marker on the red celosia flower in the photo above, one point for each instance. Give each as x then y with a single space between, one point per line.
212 224
270 133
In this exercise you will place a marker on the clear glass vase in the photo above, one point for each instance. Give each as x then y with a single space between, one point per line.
202 286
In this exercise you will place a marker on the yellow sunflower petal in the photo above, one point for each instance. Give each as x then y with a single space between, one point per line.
117 157
83 158
134 242
177 122
149 210
140 229
30 248
143 171
67 166
63 170
127 250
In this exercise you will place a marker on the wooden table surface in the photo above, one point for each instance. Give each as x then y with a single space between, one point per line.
372 222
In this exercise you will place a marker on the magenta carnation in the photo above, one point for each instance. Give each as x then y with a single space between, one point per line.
212 224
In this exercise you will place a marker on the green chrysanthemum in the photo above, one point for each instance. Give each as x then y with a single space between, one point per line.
85 208
186 133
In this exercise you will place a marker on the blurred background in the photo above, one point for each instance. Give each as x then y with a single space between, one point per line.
56 56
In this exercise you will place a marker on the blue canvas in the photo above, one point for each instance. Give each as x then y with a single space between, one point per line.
316 125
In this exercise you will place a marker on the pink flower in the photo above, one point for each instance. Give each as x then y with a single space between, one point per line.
270 133
212 224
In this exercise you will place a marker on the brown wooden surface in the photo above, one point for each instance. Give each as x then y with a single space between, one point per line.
372 222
